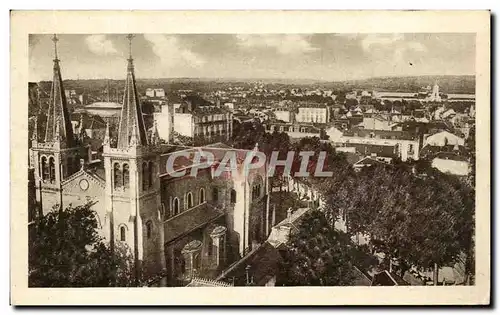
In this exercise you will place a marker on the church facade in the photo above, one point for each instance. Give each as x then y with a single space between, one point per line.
179 227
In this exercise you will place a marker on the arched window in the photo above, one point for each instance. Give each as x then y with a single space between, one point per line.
149 229
150 174
145 177
176 206
123 236
117 175
233 196
202 195
52 169
215 194
126 176
44 168
256 191
189 200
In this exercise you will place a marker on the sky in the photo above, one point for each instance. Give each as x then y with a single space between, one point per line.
330 57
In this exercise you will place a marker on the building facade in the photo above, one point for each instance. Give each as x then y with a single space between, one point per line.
313 114
180 227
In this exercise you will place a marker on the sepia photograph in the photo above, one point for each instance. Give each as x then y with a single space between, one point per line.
254 159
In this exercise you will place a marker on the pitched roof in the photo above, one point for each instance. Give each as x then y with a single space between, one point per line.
443 138
190 220
367 161
386 278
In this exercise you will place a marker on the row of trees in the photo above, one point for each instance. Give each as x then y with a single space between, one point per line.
410 211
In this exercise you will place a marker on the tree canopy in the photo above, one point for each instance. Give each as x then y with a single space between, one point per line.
66 251
318 255
420 221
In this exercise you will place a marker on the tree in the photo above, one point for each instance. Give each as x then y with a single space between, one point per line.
351 102
66 251
318 255
421 221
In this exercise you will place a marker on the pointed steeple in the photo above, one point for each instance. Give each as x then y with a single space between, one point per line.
131 114
58 108
133 137
57 134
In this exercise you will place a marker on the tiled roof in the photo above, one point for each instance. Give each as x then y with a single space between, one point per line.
190 220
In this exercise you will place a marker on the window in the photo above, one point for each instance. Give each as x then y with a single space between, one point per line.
176 206
52 170
149 228
233 196
189 200
150 173
215 194
126 180
122 234
45 168
256 191
145 183
117 175
202 195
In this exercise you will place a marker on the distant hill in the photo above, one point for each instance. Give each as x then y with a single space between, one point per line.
447 84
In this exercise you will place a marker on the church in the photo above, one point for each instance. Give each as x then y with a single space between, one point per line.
180 227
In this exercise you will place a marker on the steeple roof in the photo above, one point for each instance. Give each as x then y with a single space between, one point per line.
131 120
58 122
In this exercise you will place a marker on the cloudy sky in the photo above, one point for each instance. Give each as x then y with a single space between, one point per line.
317 56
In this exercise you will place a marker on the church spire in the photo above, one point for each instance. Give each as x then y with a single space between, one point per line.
131 114
58 108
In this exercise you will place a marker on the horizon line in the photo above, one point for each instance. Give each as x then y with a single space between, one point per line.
269 79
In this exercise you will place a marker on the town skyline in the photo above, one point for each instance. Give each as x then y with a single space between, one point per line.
317 57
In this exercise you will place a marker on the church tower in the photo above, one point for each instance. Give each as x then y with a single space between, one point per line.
132 197
57 155
435 97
